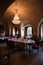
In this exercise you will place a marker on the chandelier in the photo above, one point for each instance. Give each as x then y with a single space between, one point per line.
16 19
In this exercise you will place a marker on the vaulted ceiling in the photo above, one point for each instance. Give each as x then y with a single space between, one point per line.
31 10
5 3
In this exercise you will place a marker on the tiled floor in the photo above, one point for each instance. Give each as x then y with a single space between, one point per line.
28 59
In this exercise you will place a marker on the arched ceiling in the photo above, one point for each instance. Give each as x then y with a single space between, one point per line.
31 10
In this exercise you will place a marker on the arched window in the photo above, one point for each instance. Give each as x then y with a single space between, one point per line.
29 32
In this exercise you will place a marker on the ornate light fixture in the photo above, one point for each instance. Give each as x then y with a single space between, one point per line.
16 19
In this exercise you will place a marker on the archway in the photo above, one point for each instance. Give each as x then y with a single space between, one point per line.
26 29
40 29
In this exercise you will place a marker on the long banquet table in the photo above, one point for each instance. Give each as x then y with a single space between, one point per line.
22 40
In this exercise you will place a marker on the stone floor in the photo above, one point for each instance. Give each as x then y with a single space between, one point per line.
33 58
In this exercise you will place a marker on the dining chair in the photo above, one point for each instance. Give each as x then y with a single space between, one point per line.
36 46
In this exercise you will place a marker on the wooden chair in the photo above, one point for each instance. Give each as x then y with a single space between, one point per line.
36 46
